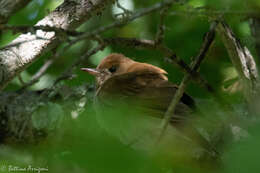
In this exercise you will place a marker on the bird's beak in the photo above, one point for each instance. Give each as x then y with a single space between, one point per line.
91 71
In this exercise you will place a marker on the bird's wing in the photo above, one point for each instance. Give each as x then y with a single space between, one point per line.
148 92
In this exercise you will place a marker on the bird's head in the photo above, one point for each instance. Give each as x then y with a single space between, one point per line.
117 64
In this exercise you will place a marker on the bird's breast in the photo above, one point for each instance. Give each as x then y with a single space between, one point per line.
132 127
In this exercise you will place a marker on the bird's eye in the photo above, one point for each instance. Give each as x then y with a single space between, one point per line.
112 69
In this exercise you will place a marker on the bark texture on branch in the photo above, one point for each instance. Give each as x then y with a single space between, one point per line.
28 47
9 7
241 58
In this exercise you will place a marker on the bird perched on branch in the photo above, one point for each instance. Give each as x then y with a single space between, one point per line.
132 98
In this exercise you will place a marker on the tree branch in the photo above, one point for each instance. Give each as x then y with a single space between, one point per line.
195 64
9 7
118 23
35 78
242 60
33 29
67 16
161 27
68 73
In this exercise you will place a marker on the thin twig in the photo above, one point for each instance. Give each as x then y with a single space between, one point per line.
118 23
43 69
68 73
80 35
122 8
21 79
161 27
195 64
142 12
126 13
36 77
213 13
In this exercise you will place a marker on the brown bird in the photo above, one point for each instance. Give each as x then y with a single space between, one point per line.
132 98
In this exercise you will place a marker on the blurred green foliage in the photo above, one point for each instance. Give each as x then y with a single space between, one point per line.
80 145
